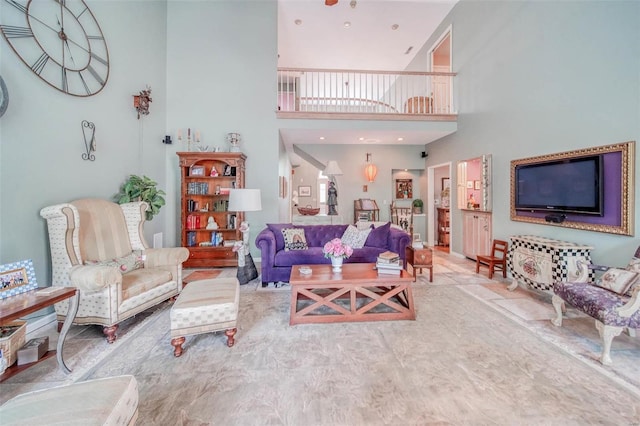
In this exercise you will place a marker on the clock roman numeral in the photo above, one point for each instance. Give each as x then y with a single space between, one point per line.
99 59
65 80
84 83
40 63
11 31
95 75
95 37
22 8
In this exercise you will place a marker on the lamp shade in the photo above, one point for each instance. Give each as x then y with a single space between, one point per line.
370 171
245 200
332 169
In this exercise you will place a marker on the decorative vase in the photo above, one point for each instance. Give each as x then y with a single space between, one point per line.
336 263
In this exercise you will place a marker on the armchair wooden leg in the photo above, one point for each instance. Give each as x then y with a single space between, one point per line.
110 332
230 333
177 342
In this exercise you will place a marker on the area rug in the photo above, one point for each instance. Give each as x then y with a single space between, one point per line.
459 362
200 275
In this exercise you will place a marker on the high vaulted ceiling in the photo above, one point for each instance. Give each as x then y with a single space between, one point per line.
321 39
313 35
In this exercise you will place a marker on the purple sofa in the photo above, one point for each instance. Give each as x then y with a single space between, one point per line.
276 262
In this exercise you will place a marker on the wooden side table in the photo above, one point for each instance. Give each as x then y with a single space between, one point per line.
418 259
26 303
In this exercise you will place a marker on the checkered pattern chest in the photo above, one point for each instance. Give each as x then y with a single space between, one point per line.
539 262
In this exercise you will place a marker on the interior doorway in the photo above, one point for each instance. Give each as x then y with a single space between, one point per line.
438 196
440 61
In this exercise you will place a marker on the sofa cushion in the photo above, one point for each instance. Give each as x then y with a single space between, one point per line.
125 264
354 237
294 239
312 255
142 280
378 237
617 280
277 228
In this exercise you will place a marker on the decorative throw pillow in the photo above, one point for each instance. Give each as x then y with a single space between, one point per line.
127 263
354 237
617 280
277 228
294 239
378 236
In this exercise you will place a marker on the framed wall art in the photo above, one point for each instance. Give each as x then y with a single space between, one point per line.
404 188
304 191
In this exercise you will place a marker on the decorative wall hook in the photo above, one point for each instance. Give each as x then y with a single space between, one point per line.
89 134
141 102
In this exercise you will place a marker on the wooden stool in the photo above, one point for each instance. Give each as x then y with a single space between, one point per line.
110 401
205 306
418 259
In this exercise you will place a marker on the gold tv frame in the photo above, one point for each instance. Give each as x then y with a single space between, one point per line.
627 149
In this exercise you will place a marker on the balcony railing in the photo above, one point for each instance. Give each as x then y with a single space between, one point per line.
425 95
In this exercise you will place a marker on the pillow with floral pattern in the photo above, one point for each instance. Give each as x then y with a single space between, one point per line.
125 264
617 280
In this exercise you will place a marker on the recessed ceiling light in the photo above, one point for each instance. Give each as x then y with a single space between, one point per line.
298 21
321 138
361 139
395 27
400 139
347 24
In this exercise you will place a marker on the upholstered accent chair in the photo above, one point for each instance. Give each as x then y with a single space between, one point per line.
613 300
98 246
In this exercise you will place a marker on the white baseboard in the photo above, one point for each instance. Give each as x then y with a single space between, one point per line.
37 324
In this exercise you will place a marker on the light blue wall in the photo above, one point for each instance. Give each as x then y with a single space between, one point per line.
537 78
41 139
221 78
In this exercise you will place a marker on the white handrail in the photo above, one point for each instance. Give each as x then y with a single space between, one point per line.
361 91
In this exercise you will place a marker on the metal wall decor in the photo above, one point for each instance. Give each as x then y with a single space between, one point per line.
141 102
89 134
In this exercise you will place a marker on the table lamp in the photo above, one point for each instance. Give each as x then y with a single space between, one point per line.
245 200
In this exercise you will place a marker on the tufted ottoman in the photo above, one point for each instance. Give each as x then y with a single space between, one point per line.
110 401
205 306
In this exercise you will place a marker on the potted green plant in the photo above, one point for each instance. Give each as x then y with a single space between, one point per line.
137 188
417 206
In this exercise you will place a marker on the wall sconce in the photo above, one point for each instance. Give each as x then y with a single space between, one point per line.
370 171
141 102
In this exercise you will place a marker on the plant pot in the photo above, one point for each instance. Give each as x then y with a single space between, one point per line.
417 210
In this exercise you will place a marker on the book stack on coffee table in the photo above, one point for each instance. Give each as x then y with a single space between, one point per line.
389 263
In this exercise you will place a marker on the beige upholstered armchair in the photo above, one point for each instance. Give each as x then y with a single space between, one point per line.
98 247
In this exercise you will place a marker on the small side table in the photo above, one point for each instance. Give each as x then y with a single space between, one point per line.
418 259
26 303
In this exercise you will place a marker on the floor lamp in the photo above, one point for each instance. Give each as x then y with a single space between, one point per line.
245 200
332 170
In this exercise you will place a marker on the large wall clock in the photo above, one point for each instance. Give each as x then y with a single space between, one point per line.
60 41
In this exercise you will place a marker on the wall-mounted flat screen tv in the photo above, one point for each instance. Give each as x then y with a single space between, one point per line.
572 185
